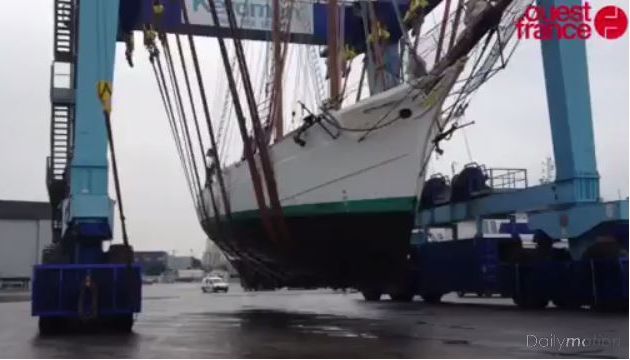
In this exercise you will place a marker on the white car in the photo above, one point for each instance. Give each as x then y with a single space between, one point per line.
214 284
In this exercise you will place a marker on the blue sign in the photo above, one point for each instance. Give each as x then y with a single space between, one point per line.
308 20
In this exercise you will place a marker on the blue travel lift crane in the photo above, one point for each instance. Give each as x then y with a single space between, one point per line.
593 271
80 284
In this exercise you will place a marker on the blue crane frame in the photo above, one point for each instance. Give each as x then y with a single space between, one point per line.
566 208
570 207
87 211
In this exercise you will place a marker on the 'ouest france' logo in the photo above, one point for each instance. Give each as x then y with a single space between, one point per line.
571 22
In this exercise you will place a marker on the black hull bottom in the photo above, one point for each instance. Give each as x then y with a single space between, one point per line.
361 251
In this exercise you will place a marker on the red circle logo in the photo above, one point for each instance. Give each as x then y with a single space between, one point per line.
611 22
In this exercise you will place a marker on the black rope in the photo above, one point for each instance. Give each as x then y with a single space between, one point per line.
123 224
182 119
204 101
248 148
171 121
170 116
226 132
190 94
463 92
254 262
195 119
259 132
377 125
224 244
131 274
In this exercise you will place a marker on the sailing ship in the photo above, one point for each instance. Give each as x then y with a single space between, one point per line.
349 178
332 202
347 197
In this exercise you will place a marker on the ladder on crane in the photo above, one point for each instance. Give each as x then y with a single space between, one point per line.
62 98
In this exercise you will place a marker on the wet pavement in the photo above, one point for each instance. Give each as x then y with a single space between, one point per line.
179 321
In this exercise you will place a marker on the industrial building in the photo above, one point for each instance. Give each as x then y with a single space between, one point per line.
153 263
183 262
25 229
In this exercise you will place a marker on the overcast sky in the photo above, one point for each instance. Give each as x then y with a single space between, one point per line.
512 125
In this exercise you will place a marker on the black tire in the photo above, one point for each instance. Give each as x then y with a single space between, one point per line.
371 295
530 303
204 290
565 304
122 324
402 297
431 298
608 248
614 306
50 326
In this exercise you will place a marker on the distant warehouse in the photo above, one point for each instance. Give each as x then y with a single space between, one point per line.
153 263
25 229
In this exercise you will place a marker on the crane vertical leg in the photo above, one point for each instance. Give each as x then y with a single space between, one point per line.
79 284
570 115
88 210
569 104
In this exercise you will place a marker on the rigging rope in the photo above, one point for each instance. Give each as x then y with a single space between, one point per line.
188 149
191 98
226 246
226 114
378 124
226 109
123 222
104 91
248 148
259 134
202 92
182 138
159 78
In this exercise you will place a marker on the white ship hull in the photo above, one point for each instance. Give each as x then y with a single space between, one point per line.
357 183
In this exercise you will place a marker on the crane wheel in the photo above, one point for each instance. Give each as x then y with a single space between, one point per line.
121 324
565 304
608 247
402 297
51 326
371 294
530 302
431 298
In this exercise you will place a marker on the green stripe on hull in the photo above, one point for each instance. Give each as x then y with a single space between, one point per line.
401 204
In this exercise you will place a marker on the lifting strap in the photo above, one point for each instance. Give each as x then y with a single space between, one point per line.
259 134
248 148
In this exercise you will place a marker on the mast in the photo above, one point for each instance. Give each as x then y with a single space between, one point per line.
333 52
276 92
447 8
488 20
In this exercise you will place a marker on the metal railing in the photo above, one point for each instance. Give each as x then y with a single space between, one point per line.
506 179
